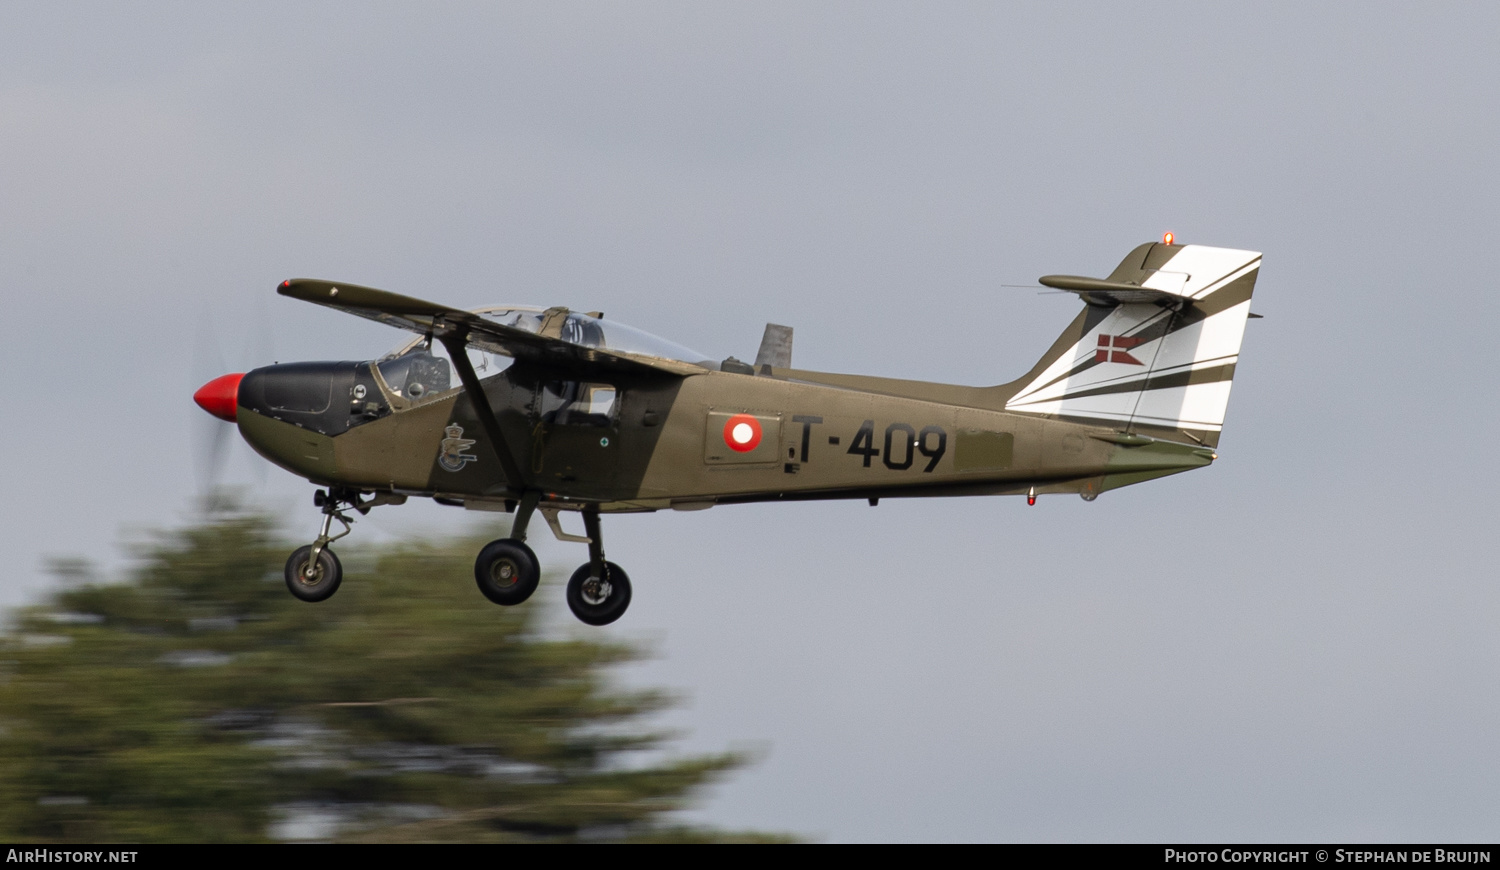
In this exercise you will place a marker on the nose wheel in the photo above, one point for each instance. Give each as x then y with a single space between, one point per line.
313 577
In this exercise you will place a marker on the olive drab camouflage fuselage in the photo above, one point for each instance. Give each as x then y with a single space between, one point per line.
559 410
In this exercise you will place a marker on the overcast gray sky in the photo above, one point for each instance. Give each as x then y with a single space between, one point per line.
1298 643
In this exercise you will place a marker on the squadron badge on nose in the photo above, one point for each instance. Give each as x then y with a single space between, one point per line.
454 457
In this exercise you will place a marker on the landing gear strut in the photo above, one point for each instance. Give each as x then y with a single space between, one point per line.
599 595
599 591
313 573
507 570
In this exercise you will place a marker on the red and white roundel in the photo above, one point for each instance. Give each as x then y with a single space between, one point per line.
742 433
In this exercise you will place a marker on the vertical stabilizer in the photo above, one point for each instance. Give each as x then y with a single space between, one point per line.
1161 367
775 347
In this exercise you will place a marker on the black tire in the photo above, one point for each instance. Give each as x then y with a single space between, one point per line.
595 605
507 571
327 575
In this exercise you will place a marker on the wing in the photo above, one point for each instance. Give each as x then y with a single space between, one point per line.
441 321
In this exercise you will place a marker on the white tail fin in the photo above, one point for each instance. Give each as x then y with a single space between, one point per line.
1164 366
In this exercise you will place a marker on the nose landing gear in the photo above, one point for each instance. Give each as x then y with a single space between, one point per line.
313 573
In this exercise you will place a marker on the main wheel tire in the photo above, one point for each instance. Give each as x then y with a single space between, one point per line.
507 571
601 600
327 574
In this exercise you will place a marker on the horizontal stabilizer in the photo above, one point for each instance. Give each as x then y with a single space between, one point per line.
1107 294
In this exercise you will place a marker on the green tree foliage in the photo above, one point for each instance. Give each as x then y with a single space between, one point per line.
201 702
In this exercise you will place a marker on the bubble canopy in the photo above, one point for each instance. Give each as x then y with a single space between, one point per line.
584 330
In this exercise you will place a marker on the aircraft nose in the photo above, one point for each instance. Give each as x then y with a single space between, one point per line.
220 396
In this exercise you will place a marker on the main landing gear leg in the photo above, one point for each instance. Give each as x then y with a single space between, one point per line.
507 571
599 591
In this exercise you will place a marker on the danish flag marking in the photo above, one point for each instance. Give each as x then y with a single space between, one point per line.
1121 344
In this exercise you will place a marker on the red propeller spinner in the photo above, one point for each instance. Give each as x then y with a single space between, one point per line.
220 396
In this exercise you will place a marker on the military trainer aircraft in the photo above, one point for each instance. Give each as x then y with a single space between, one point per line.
556 410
